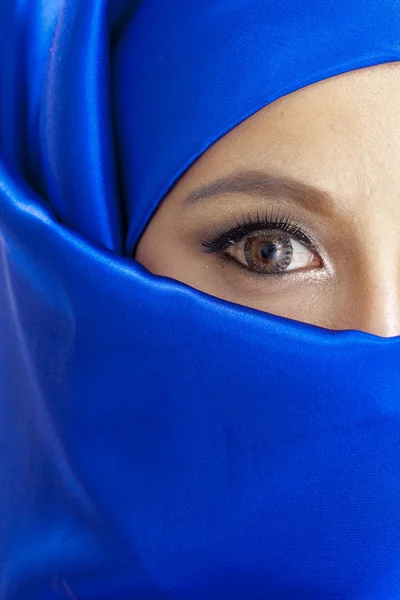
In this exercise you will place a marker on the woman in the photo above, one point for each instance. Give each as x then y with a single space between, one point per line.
200 300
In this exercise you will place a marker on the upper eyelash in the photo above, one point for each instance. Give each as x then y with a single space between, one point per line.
248 224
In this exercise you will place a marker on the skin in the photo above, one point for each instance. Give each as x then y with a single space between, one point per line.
340 136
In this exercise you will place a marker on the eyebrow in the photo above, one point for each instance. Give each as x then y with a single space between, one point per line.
262 185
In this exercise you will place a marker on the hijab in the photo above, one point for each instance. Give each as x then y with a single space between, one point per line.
157 443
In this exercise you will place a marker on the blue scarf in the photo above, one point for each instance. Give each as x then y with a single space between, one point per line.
157 443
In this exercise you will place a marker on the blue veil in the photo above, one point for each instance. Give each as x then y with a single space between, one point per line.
157 443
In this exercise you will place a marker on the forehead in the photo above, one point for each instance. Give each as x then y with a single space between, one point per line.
342 133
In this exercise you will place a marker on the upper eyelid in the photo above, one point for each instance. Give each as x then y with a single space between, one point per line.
270 223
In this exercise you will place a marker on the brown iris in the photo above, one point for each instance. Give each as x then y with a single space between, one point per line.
268 252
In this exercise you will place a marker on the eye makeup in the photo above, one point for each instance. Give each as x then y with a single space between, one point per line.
260 221
274 230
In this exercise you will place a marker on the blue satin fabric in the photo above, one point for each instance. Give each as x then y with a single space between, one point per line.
188 72
157 443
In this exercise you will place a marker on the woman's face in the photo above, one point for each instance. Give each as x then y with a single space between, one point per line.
296 211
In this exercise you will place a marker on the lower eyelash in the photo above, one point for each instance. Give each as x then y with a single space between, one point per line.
249 224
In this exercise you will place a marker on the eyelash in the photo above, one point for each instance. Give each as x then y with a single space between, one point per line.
218 243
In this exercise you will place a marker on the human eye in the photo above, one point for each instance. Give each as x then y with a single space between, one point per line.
267 245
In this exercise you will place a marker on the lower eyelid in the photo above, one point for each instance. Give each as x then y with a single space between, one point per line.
229 260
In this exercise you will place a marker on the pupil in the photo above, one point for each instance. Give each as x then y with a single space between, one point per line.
269 251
